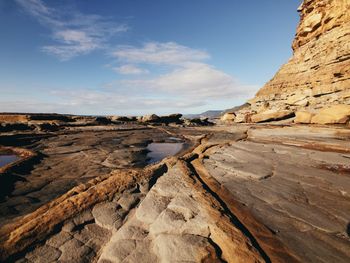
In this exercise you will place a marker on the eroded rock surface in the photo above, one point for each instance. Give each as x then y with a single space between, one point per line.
175 223
69 158
300 194
243 194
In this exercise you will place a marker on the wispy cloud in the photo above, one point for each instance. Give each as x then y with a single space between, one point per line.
193 81
75 33
169 53
188 75
130 70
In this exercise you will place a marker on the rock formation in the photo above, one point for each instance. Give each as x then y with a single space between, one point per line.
242 193
318 74
84 190
228 117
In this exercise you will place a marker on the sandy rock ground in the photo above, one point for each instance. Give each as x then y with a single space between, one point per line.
240 193
73 157
302 195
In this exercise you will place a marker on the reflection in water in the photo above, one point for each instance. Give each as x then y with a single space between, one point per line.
8 158
158 151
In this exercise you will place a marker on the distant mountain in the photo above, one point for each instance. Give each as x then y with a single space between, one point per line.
237 108
211 114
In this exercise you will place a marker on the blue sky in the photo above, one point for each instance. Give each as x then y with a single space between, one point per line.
132 57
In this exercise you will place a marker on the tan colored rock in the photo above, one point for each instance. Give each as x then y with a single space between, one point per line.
318 73
338 114
242 117
228 117
23 232
318 17
303 117
178 222
122 118
150 118
296 180
298 99
14 118
271 115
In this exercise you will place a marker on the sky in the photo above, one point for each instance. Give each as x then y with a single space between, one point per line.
135 57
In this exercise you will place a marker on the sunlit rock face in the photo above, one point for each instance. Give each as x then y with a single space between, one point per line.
317 76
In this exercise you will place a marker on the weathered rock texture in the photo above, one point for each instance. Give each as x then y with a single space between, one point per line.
243 193
318 74
68 158
301 195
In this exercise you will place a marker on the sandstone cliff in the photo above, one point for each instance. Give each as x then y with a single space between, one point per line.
318 74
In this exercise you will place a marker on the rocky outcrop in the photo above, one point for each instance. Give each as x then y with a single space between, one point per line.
167 119
68 158
295 181
228 117
272 115
116 118
331 115
198 122
150 118
245 193
13 118
318 74
131 216
36 226
26 117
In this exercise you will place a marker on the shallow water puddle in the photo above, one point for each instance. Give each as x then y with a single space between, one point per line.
158 151
5 159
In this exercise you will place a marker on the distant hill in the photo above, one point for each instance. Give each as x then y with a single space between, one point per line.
211 114
237 108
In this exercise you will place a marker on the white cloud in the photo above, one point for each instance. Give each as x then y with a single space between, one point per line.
193 82
84 101
189 81
168 53
75 33
130 70
126 98
188 75
197 80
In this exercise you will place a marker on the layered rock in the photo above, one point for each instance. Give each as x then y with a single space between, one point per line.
318 74
295 181
245 193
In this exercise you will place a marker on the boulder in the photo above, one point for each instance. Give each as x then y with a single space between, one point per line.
243 117
150 118
172 118
303 117
46 126
6 127
299 99
50 117
228 117
337 114
311 23
102 120
121 118
198 122
272 115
